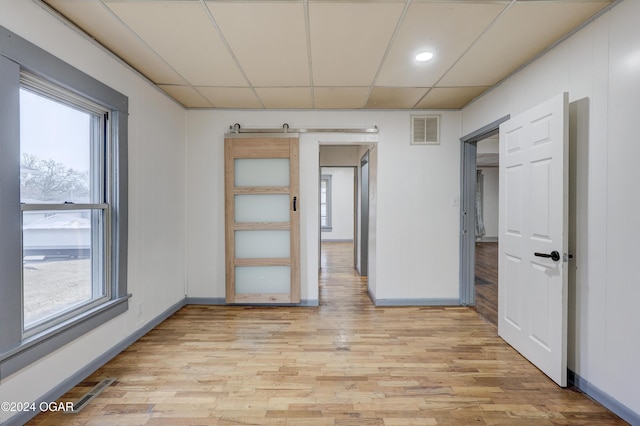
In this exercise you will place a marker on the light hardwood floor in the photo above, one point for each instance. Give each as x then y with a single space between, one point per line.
486 281
345 362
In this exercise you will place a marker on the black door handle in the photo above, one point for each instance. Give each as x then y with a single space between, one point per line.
554 255
295 204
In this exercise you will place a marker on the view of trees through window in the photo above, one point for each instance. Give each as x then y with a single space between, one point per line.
50 180
58 173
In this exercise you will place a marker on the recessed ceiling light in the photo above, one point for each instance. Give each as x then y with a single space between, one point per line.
424 56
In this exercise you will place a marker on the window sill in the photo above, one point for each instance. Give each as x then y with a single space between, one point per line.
326 229
35 347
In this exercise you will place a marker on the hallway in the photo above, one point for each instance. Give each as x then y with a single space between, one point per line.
345 362
341 287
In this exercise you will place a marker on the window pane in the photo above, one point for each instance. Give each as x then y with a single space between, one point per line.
61 270
56 151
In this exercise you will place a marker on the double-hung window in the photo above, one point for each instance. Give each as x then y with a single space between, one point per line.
325 203
63 203
64 196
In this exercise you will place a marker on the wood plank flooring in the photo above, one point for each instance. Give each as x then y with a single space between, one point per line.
345 362
486 281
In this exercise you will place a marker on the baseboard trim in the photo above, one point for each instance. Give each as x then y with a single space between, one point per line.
222 301
80 375
621 410
336 240
205 301
417 302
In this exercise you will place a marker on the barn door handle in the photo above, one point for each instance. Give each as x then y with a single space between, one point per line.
554 255
295 204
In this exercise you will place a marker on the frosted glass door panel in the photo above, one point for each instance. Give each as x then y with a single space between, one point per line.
261 172
262 208
262 229
263 244
263 279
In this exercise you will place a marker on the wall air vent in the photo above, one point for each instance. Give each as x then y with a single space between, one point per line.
425 129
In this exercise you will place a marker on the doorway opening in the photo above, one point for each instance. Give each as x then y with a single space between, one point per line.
338 206
486 229
479 221
343 215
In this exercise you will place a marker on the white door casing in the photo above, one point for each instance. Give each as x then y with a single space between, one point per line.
532 289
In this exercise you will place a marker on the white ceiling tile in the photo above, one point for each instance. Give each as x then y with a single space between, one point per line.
285 98
213 53
450 97
340 97
182 33
231 97
525 30
95 19
395 97
348 40
187 96
445 29
268 39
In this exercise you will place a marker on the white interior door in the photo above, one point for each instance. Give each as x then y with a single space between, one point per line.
532 285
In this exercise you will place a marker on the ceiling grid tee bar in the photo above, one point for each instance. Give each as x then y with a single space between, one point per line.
486 30
388 49
228 47
307 25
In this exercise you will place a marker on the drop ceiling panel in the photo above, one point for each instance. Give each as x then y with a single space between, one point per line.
445 29
525 30
395 97
95 19
450 97
325 54
187 96
268 39
348 40
231 97
285 97
182 33
340 97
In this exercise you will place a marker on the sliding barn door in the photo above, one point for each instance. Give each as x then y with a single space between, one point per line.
262 220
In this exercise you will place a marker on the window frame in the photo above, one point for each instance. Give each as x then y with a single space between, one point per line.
98 205
328 227
17 57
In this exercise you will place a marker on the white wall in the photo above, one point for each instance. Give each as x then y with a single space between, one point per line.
601 63
156 273
342 211
415 239
490 201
